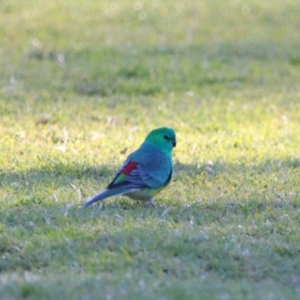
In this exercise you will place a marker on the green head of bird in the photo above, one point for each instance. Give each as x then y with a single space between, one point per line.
163 138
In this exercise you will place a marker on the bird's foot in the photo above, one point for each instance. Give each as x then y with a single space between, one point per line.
150 203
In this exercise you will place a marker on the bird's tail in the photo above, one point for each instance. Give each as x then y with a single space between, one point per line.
105 194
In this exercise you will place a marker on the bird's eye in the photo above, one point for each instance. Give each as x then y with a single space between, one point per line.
166 137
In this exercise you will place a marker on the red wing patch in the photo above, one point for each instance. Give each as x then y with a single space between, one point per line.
127 169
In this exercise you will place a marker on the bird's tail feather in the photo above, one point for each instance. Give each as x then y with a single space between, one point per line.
105 194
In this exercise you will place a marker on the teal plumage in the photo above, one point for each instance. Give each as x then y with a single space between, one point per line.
146 171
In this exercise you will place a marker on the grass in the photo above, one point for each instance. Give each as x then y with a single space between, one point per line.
83 82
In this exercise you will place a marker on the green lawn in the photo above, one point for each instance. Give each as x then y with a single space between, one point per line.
83 82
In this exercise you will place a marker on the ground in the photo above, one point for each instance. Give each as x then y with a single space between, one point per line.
83 82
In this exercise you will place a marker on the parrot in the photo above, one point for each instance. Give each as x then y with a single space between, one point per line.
146 171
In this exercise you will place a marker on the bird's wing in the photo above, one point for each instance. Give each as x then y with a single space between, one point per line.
147 170
155 170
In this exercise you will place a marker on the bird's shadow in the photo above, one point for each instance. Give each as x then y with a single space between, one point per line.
88 179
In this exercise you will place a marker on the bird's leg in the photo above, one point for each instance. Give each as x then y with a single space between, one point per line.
150 203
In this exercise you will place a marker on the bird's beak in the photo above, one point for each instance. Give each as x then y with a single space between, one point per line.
174 143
